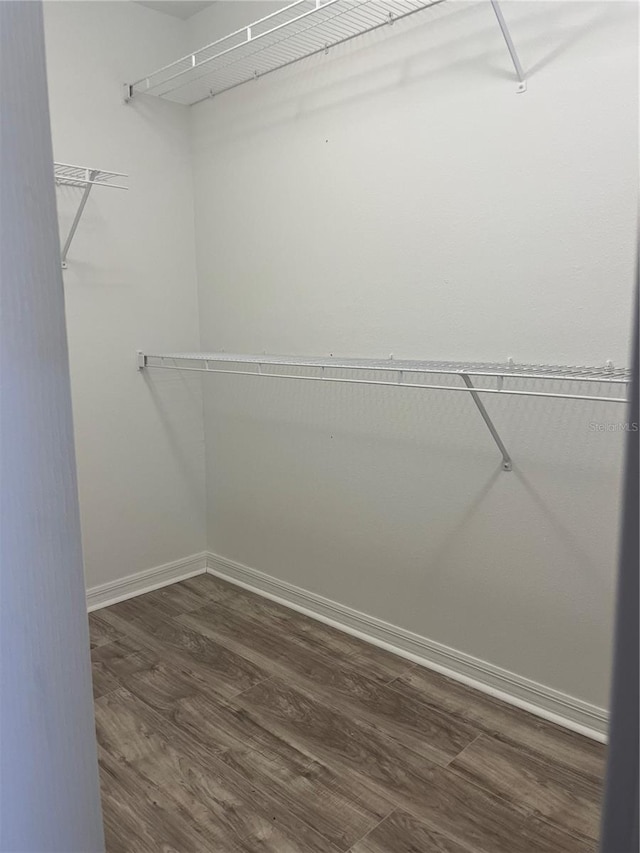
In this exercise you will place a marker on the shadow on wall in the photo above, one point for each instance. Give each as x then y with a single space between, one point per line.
464 519
376 430
177 400
97 258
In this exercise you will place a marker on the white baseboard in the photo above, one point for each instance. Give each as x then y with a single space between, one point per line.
146 581
545 702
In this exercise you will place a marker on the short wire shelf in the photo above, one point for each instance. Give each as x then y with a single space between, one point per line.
80 176
84 178
299 30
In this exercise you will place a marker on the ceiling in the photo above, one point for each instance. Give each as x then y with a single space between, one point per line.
178 8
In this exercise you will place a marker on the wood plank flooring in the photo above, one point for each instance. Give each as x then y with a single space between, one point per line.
227 723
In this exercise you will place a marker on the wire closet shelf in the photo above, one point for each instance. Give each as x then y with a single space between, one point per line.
299 30
84 178
474 378
406 373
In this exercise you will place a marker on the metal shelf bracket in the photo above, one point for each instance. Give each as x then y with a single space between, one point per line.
506 459
91 176
82 178
513 53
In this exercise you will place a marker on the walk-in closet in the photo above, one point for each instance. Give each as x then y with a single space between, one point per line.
331 349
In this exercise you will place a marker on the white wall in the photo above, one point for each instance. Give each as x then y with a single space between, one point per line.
48 769
131 283
398 196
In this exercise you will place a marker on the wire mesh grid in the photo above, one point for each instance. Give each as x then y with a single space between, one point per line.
413 373
79 176
301 29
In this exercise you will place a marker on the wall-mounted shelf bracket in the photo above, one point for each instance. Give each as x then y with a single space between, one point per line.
506 459
83 178
513 53
91 174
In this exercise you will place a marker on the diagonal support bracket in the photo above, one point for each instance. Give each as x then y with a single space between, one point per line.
506 459
91 175
513 53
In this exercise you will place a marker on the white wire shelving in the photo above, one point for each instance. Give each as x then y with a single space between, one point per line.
79 176
474 378
84 178
299 30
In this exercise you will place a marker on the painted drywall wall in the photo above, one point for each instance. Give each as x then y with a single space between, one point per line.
398 196
130 283
48 767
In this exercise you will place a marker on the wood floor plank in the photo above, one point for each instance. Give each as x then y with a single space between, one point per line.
425 731
422 729
255 606
218 727
104 659
314 794
168 601
103 681
172 600
453 806
544 837
548 789
230 724
473 817
235 805
210 588
339 811
377 661
504 722
235 672
203 793
381 665
126 730
139 818
269 837
136 734
212 667
330 735
100 632
215 797
111 653
401 832
259 640
150 679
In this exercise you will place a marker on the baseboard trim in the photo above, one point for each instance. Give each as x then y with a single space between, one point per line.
545 702
146 581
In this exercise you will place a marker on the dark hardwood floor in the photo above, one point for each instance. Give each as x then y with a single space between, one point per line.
229 723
